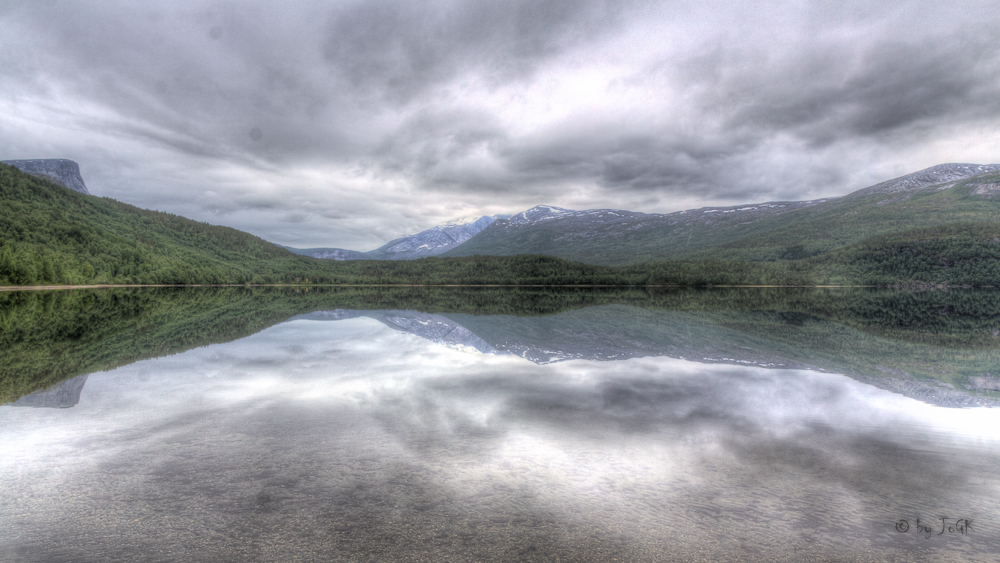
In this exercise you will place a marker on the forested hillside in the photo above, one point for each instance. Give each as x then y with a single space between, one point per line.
49 234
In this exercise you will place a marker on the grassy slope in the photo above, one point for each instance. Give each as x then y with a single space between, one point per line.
851 220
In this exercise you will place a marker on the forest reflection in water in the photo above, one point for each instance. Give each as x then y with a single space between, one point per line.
697 427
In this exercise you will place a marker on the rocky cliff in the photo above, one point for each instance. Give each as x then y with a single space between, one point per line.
59 170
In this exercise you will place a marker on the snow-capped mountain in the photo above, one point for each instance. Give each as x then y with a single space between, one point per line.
433 241
546 213
539 213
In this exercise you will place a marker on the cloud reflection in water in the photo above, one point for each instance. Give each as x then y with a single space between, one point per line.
347 438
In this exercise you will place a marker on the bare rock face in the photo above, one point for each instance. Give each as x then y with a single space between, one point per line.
59 170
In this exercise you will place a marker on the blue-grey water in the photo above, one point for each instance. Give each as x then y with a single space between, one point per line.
395 436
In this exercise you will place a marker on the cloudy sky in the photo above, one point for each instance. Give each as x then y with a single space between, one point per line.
348 123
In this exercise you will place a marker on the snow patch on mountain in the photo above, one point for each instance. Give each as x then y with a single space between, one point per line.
935 175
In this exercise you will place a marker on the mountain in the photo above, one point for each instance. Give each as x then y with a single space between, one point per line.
768 231
329 253
434 241
64 172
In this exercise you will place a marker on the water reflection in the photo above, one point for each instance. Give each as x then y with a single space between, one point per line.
62 395
360 440
940 347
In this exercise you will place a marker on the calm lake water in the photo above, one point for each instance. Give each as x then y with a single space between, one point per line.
499 425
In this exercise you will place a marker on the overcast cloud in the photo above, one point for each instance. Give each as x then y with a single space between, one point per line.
350 123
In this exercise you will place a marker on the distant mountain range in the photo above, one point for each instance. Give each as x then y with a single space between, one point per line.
782 230
432 242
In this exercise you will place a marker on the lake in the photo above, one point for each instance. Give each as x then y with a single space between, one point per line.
499 424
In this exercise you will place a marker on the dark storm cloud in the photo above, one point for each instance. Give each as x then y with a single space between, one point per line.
457 107
833 92
398 50
664 160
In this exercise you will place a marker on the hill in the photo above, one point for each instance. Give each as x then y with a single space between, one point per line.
50 234
937 196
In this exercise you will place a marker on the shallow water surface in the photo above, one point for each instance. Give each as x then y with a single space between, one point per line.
600 432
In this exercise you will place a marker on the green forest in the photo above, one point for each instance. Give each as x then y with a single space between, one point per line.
52 235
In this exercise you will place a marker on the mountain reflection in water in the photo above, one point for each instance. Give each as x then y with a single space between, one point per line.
356 440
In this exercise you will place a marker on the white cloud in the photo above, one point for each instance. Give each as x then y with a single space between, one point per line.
353 123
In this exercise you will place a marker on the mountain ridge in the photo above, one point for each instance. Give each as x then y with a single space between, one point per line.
616 237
